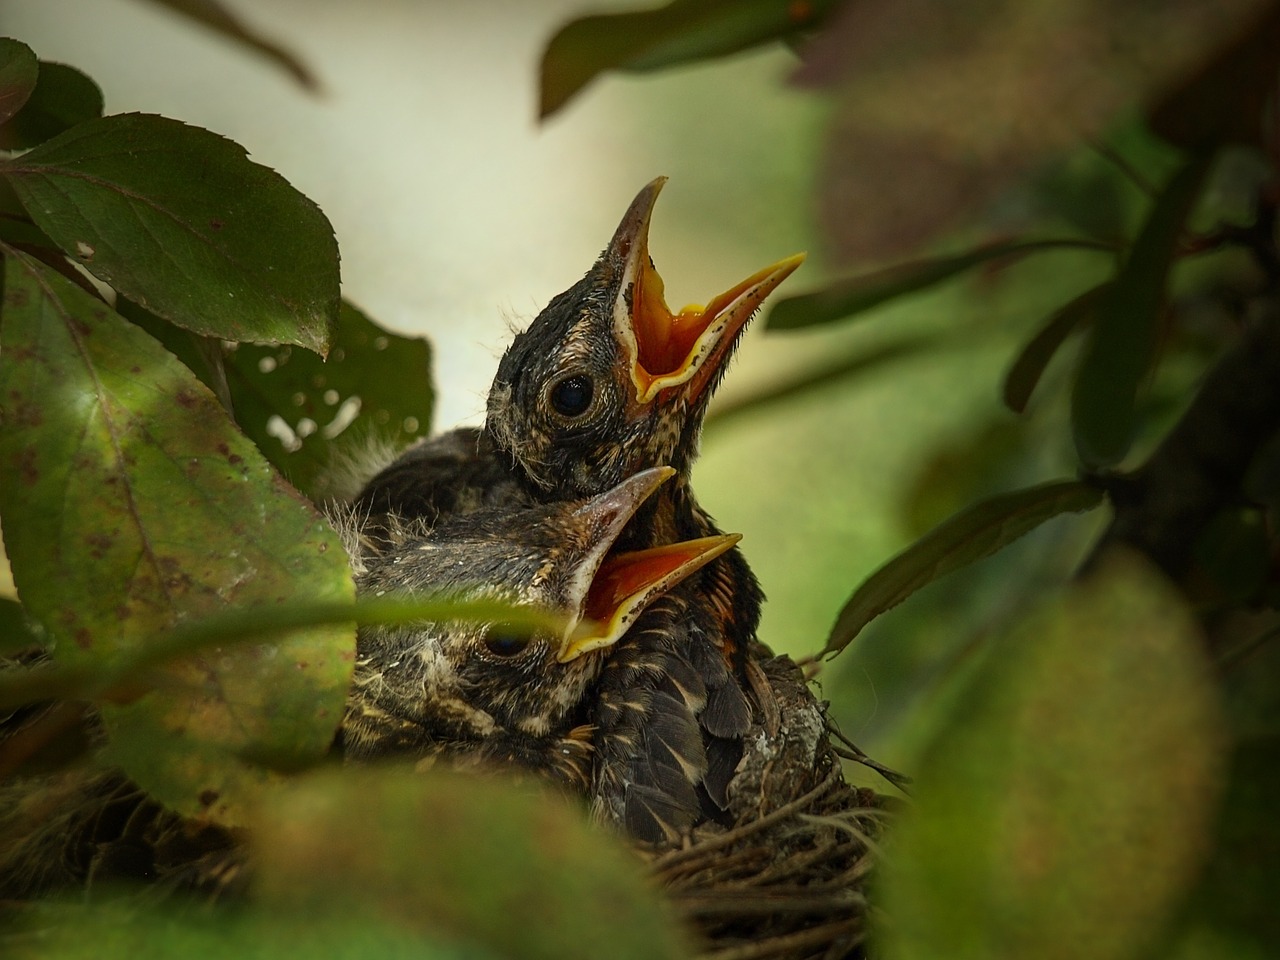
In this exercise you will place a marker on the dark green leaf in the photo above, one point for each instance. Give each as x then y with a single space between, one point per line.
1067 803
373 384
135 505
17 632
681 32
512 869
1234 894
1122 344
63 97
846 298
1030 364
217 17
975 533
179 220
19 70
1235 553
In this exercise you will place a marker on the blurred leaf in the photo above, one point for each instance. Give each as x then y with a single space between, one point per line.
1122 342
970 535
1067 803
1088 194
1234 552
179 220
1225 100
63 97
19 70
1030 364
964 468
17 631
818 378
1236 892
1262 482
91 931
683 31
847 298
481 860
941 108
216 16
136 505
130 674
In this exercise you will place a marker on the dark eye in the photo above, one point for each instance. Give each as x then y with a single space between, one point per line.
505 640
571 397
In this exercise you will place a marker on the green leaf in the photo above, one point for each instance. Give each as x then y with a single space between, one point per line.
134 506
970 535
19 70
847 298
63 97
17 631
683 31
1067 804
310 416
119 928
179 220
217 17
1030 364
373 383
512 869
1122 344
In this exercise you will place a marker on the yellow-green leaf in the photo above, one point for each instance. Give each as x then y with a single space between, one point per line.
1068 801
478 860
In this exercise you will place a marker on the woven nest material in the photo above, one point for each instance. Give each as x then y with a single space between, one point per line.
788 880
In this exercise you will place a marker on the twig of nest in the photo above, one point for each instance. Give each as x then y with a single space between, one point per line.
788 880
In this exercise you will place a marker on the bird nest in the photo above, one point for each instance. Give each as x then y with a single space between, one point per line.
784 886
787 881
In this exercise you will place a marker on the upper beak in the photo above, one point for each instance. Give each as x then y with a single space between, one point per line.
683 349
627 582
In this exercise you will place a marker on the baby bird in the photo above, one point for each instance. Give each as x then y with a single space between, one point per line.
489 693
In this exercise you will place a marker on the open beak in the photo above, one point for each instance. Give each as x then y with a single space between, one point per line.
684 349
626 583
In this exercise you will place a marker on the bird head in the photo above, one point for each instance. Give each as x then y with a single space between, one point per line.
472 679
608 379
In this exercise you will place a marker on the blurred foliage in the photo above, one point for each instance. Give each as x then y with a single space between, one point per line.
1095 775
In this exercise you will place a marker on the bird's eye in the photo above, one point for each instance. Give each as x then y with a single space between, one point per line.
571 397
505 640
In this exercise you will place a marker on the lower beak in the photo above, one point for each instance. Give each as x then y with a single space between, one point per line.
626 583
